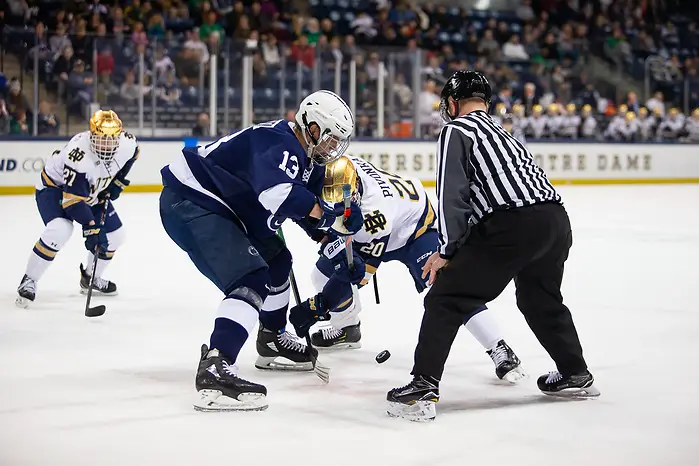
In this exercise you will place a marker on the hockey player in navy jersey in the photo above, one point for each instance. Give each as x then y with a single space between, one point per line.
223 203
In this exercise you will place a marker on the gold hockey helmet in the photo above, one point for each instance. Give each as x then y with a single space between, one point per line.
337 175
587 108
623 109
553 108
500 108
629 116
570 108
674 111
518 110
695 113
105 130
643 112
537 109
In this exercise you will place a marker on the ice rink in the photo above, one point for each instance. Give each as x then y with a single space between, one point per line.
117 390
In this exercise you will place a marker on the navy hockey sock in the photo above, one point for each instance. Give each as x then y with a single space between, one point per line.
228 337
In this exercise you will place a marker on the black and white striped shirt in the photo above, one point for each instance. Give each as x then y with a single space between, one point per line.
482 168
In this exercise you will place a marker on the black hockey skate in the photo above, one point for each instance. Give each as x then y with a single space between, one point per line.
282 351
220 388
331 338
507 364
26 292
573 386
415 401
101 286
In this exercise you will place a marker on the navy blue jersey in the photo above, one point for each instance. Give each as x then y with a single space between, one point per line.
260 175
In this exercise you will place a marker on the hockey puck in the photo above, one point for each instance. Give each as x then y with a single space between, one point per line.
383 356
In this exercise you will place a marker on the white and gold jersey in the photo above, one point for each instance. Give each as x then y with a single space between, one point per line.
80 173
396 210
570 126
588 128
537 126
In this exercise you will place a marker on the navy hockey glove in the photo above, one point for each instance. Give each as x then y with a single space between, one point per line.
304 315
333 218
354 275
95 238
114 190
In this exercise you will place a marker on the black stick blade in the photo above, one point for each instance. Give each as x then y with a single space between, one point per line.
95 311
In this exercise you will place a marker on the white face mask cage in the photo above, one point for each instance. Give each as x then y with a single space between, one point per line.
328 149
104 146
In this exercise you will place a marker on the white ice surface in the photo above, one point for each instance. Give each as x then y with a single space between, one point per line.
117 390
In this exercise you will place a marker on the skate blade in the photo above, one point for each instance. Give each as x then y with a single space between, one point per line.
420 411
22 302
322 371
215 401
277 363
515 376
339 347
83 291
584 392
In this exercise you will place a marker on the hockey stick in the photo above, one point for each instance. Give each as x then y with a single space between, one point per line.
100 309
321 370
376 289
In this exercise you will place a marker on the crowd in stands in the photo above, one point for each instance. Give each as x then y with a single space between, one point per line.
537 55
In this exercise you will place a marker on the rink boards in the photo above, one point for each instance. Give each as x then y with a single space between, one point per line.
21 161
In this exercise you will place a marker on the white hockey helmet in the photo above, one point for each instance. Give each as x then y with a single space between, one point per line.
335 121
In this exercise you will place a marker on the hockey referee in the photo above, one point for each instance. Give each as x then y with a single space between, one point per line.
499 218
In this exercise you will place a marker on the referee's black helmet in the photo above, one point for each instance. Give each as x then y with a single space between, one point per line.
463 84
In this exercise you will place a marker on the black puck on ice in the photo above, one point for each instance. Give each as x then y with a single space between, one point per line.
383 356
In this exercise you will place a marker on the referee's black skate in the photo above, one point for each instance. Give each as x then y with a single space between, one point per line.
220 388
572 386
415 401
100 287
508 367
331 338
282 351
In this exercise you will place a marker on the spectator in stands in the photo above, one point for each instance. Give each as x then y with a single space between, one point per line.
210 27
93 22
130 91
202 128
529 97
433 70
188 65
656 104
669 34
363 26
303 52
47 120
81 42
349 49
16 100
5 117
97 8
513 49
488 46
156 26
290 115
259 70
163 63
59 41
428 97
632 102
197 46
525 12
139 36
20 125
119 25
40 48
333 54
312 32
674 68
549 49
402 91
504 97
644 43
80 83
105 69
327 28
270 51
364 128
242 29
168 91
63 66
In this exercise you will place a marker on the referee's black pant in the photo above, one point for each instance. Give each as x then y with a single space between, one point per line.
529 244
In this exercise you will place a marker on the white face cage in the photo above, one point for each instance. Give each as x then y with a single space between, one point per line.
328 148
104 146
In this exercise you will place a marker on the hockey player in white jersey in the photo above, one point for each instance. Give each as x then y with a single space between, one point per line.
570 123
75 184
536 123
588 126
554 121
626 129
647 124
398 226
672 126
692 126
